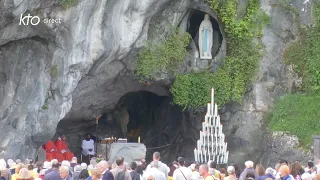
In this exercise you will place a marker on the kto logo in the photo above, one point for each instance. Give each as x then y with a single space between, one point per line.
33 20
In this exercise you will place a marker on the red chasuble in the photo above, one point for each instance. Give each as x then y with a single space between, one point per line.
63 148
52 151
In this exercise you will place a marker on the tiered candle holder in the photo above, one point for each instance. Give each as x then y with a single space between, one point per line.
211 145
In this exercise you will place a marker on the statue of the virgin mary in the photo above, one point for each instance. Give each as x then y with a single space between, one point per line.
205 38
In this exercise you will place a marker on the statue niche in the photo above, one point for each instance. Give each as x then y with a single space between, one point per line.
205 38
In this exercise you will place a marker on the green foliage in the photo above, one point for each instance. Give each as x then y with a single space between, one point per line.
54 71
304 54
164 57
66 3
44 107
231 80
299 115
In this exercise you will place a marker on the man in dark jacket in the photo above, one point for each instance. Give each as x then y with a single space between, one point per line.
269 174
134 175
54 174
103 166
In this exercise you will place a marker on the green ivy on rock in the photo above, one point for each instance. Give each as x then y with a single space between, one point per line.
231 80
299 113
164 57
66 3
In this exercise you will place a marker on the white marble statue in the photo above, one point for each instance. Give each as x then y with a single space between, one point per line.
205 38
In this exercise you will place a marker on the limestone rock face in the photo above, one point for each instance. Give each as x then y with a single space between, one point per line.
245 125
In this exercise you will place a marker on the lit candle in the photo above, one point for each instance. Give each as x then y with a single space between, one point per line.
139 139
195 155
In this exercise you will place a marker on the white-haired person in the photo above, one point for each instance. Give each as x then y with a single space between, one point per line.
77 170
64 173
195 172
269 173
67 164
231 173
249 169
5 172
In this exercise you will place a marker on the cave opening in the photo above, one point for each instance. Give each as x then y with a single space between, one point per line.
195 19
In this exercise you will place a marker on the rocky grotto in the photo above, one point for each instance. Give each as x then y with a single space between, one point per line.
56 77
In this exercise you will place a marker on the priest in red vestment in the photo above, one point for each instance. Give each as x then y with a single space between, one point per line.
63 148
52 151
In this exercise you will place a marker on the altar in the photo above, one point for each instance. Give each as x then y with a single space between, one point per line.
129 151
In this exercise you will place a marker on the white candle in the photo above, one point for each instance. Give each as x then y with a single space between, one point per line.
215 109
205 156
139 139
212 143
226 147
195 155
200 155
208 109
202 126
227 156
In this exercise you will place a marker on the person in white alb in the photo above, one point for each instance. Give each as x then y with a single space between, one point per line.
87 149
182 172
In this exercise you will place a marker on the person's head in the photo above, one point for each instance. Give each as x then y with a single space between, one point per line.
260 170
306 176
65 163
295 168
24 174
64 172
88 136
284 170
271 171
9 162
213 165
154 164
84 174
54 161
223 171
156 156
119 161
133 166
95 174
310 164
317 177
150 177
193 167
30 167
17 169
93 162
84 165
63 137
77 168
55 166
203 169
18 161
181 161
231 170
250 176
249 164
13 165
47 165
39 164
103 165
283 162
74 160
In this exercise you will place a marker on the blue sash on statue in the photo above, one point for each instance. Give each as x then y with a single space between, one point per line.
205 39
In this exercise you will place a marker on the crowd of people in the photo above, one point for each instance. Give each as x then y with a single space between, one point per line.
156 170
